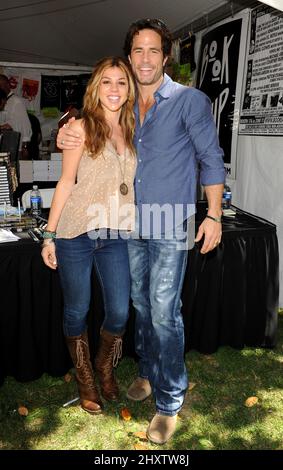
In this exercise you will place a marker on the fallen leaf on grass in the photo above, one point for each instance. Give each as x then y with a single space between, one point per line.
141 435
140 447
23 411
191 386
126 415
68 377
206 444
251 401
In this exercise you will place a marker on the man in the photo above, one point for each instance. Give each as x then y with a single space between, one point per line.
15 115
3 99
36 137
175 133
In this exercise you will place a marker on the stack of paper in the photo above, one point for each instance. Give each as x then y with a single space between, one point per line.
5 179
40 170
7 236
55 170
26 171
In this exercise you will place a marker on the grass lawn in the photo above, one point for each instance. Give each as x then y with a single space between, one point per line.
214 415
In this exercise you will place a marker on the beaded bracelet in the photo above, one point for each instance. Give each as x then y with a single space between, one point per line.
48 234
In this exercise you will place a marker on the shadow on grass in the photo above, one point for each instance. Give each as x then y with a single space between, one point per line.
214 415
40 398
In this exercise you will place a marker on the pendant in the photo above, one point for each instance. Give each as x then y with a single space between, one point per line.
123 189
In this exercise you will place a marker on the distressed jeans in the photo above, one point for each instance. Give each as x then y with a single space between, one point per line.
157 268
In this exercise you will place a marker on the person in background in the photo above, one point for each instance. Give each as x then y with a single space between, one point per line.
15 116
175 133
3 99
89 219
36 137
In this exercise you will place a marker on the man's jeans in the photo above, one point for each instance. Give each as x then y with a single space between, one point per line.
76 258
157 272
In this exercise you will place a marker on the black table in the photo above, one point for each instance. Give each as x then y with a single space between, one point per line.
230 297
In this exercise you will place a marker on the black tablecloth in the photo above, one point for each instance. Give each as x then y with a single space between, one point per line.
230 298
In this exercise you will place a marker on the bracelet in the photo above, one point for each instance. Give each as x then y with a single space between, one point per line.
216 219
48 234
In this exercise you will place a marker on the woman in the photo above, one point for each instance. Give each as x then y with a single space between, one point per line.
91 212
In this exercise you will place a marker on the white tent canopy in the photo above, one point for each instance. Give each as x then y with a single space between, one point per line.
78 32
81 31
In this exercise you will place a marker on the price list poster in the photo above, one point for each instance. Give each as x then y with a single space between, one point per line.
262 104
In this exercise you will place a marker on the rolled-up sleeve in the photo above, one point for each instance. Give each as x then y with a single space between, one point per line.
203 134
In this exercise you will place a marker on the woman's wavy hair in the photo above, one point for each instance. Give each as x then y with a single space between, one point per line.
96 128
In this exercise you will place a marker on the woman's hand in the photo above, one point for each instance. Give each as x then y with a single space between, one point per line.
68 139
48 254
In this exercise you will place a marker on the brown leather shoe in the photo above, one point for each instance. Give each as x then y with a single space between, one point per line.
139 390
161 428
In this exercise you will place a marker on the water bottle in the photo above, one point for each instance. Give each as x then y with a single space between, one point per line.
35 201
226 198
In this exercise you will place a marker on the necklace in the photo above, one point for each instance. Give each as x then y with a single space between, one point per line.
123 186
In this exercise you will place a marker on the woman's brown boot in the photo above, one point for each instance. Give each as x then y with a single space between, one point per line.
109 353
89 395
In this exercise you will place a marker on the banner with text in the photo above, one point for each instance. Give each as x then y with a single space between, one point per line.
220 73
262 106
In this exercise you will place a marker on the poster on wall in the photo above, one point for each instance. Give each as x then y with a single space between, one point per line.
26 84
262 104
70 92
50 91
220 73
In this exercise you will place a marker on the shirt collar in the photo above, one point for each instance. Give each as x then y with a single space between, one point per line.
163 92
166 87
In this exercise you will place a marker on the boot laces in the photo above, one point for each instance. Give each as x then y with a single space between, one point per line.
117 351
80 353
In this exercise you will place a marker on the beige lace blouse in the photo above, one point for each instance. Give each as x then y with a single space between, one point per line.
96 201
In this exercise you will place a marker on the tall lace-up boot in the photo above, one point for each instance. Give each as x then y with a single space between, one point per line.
89 395
109 353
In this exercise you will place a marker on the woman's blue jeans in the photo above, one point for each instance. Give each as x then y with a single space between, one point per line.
157 270
76 257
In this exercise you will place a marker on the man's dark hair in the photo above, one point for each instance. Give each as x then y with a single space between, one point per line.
4 78
156 25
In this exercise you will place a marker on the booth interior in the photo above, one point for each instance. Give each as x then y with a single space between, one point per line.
230 295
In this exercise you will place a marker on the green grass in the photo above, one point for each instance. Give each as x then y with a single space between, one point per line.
214 415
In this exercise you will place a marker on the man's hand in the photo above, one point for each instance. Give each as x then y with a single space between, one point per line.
67 139
212 232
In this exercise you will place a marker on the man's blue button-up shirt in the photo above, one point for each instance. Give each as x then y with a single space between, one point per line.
178 135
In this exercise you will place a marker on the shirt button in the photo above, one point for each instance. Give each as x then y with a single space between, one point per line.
139 181
139 160
140 140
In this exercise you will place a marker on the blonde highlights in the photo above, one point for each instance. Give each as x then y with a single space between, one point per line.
96 128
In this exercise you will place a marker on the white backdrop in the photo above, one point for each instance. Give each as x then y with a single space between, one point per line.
259 179
259 183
